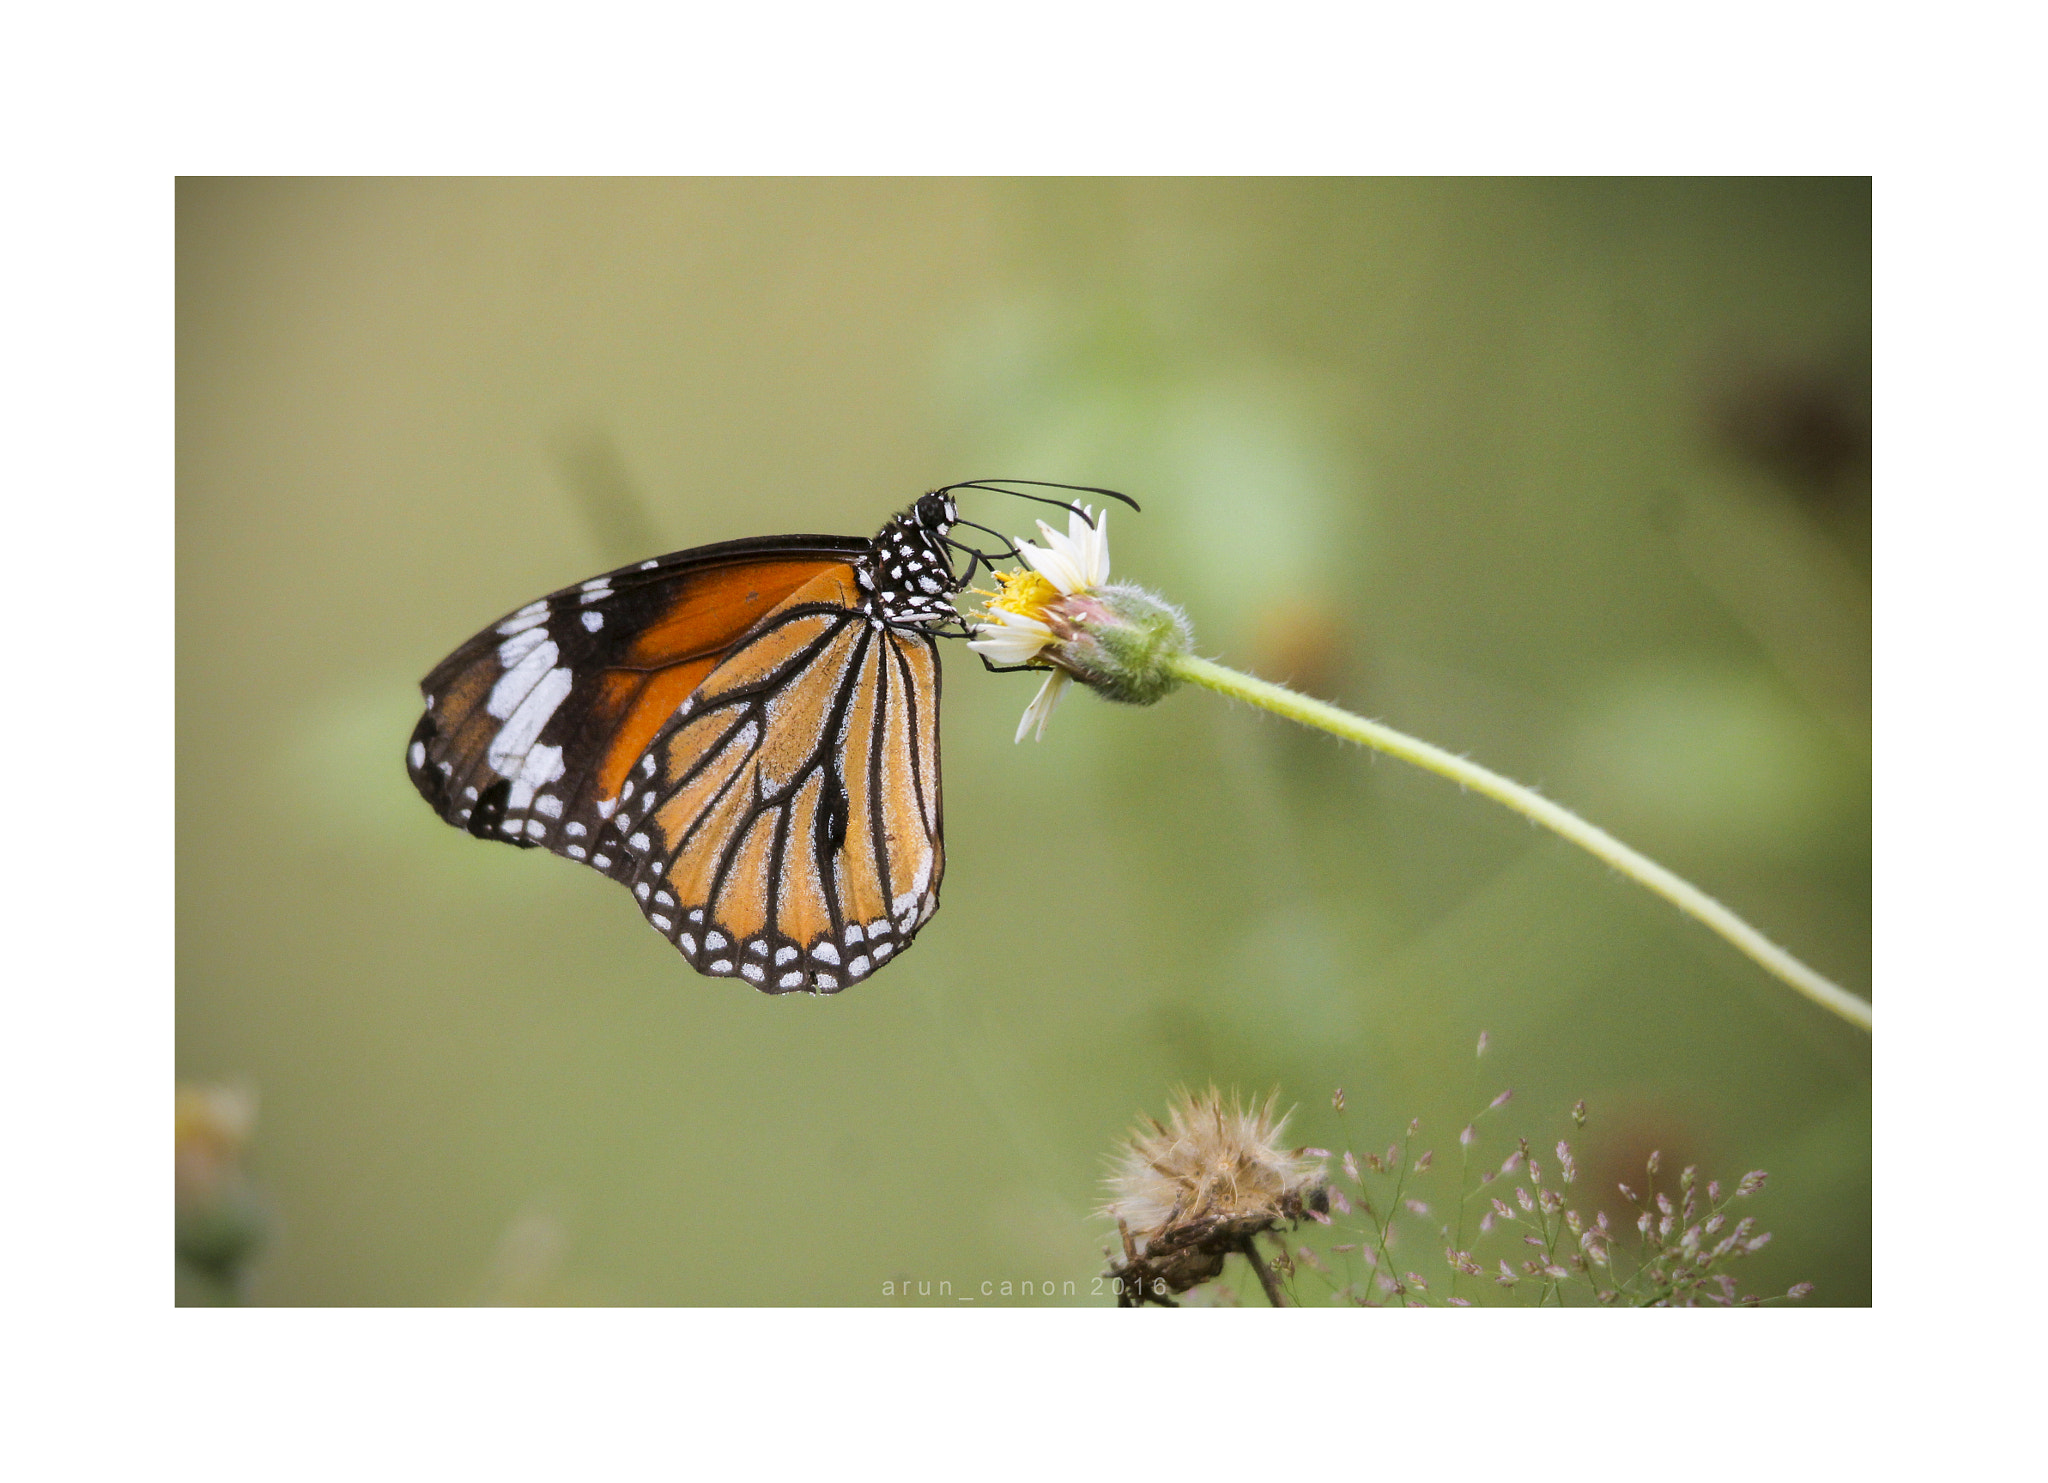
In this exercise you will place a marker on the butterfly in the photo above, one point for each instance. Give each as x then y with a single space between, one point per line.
745 735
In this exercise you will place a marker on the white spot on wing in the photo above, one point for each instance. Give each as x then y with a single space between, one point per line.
639 844
858 966
790 981
418 755
573 829
824 952
753 971
574 852
783 955
550 805
593 621
659 920
526 617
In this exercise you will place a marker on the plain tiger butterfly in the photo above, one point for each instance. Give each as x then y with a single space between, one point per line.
744 735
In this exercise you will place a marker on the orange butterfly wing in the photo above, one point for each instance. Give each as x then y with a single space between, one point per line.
786 826
531 727
724 731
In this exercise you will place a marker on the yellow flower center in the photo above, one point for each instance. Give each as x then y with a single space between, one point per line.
1024 593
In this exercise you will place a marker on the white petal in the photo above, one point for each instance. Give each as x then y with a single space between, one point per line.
1006 646
1091 548
1040 710
1056 566
1023 622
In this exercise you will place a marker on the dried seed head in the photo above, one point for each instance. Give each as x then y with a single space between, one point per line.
1798 1290
1511 1163
1501 1100
1522 1198
1627 1193
1482 1044
1416 1207
1579 1113
1656 1157
1351 1169
1751 1183
1337 1099
1714 1191
1338 1199
1414 1126
1422 1164
1664 1204
1465 1138
1188 1191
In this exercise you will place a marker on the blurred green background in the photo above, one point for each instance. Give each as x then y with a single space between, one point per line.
1570 476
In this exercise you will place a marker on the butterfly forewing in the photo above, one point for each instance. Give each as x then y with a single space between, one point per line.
533 726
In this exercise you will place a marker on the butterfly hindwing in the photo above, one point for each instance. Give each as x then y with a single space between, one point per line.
784 828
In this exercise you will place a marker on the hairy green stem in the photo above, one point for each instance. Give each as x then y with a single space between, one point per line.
1688 898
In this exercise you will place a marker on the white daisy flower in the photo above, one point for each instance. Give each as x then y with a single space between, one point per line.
1061 615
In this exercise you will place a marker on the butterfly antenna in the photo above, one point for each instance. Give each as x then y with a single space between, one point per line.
1010 552
995 486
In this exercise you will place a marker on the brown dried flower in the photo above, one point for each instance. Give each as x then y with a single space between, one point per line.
1187 1193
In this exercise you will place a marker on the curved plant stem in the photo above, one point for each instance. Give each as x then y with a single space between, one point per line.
1688 898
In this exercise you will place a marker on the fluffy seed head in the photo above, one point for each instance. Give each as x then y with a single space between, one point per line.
1212 1162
